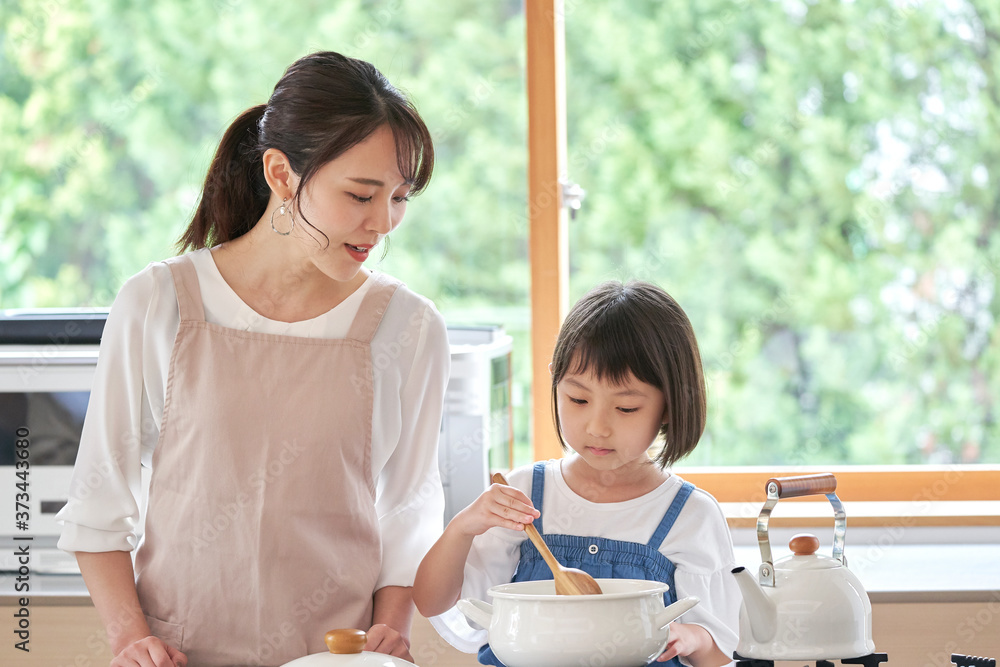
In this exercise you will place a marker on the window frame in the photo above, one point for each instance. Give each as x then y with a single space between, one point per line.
906 488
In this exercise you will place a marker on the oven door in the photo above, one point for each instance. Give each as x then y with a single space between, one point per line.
44 391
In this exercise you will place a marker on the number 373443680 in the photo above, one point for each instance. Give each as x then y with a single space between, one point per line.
22 464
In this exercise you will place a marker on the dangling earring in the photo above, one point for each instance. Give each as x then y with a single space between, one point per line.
283 210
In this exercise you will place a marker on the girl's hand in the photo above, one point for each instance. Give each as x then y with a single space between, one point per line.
383 639
498 505
149 652
694 643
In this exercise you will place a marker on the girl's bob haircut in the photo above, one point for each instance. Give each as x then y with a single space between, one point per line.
637 328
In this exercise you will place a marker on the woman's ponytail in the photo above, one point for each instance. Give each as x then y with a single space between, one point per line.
324 104
235 193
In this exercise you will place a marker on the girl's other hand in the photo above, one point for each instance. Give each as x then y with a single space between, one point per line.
498 505
149 652
383 639
694 643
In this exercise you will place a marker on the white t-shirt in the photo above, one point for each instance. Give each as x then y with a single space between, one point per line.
699 545
411 357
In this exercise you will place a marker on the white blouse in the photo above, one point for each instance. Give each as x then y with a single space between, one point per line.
699 544
123 419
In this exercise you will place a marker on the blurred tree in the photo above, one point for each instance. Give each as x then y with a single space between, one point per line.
810 179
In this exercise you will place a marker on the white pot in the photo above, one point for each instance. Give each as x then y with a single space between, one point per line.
530 626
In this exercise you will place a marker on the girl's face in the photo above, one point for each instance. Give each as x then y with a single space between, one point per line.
356 200
610 425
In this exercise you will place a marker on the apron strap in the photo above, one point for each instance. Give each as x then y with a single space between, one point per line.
373 307
186 285
537 491
667 522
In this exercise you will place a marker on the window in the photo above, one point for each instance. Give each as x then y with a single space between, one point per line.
812 181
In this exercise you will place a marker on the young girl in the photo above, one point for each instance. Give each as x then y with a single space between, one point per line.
626 370
286 399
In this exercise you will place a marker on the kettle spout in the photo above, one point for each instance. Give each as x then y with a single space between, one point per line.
760 611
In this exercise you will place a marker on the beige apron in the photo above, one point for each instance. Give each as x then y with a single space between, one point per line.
261 533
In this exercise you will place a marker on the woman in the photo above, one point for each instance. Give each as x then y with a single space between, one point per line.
286 399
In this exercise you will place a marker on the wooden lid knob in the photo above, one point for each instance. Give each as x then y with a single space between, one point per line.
804 544
346 640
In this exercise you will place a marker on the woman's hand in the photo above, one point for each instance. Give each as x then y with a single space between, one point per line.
498 505
149 652
694 643
383 639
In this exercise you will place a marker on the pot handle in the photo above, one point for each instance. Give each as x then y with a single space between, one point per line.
476 611
674 611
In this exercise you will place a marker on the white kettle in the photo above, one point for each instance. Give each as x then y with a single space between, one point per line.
805 606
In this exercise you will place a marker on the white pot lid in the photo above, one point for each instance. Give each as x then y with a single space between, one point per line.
346 651
363 659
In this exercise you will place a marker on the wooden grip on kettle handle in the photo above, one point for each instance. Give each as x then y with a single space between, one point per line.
804 485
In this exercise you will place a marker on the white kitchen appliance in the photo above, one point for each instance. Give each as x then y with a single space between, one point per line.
47 361
477 436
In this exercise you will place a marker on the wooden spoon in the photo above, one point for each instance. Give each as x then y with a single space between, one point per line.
569 580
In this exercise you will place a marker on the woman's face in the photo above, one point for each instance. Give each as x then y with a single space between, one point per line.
610 425
355 200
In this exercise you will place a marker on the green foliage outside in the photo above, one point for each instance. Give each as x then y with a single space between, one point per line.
813 181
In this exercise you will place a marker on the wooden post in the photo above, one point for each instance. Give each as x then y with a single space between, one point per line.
547 234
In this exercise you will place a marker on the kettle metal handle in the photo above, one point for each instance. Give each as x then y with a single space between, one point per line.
795 487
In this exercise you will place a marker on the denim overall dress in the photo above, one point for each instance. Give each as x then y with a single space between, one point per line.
599 557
